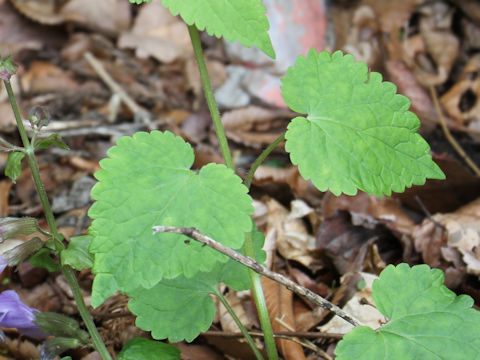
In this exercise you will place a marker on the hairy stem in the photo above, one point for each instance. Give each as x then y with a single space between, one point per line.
242 328
252 264
66 270
260 301
212 104
261 158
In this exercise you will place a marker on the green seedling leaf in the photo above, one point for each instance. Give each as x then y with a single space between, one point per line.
77 254
358 133
14 165
144 349
147 181
181 308
53 139
427 320
243 21
42 259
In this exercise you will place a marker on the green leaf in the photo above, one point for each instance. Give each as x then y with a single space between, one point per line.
358 133
53 139
181 308
14 165
144 349
42 259
139 1
77 254
147 181
242 21
427 320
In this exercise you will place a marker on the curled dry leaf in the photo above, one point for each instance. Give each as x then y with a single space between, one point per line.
18 33
461 101
43 77
362 41
361 305
386 210
301 188
252 125
433 51
45 12
108 16
280 307
446 238
292 239
158 34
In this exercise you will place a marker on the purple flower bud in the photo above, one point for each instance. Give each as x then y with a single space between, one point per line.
39 116
15 314
7 69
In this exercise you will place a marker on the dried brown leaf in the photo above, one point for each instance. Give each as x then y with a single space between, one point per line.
280 308
158 34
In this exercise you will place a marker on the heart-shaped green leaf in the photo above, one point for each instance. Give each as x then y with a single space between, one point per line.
427 320
147 181
358 133
181 308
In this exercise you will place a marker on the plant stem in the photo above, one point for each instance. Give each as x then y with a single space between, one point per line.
66 270
212 104
261 303
82 309
242 328
261 158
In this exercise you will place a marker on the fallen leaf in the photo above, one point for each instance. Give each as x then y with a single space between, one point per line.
361 306
107 16
158 34
280 308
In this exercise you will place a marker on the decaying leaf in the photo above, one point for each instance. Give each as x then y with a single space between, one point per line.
461 101
292 239
158 34
452 242
280 307
361 306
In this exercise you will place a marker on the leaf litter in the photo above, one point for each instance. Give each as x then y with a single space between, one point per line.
318 239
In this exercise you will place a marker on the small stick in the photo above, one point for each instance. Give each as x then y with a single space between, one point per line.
255 266
136 109
303 334
448 134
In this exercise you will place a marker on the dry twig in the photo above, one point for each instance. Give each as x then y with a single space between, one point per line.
448 134
139 113
255 266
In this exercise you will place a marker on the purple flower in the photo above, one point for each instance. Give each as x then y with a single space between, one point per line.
15 314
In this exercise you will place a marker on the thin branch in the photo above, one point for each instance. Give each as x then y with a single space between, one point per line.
303 334
255 266
448 134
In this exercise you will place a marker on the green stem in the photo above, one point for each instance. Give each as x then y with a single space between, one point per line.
240 326
260 302
82 309
67 271
261 158
212 104
222 140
